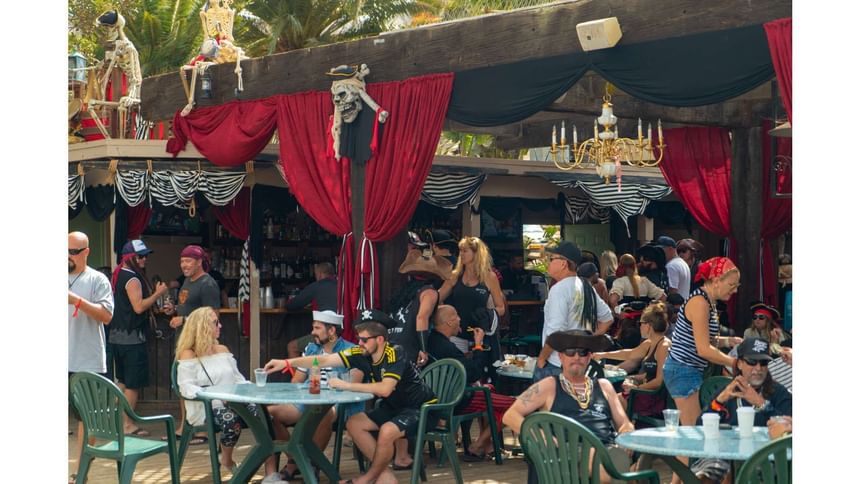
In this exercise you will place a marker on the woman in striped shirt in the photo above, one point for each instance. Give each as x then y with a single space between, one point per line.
696 334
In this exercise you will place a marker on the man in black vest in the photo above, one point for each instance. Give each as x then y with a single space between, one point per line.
133 298
590 401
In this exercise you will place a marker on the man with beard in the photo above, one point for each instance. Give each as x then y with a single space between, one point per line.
326 329
591 402
392 377
90 308
753 387
199 289
134 297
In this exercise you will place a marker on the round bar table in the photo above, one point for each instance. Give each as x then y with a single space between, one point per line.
689 441
300 446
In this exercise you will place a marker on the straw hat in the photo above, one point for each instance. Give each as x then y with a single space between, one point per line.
423 262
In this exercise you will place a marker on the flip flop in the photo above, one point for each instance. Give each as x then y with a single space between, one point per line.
401 468
470 457
138 432
178 437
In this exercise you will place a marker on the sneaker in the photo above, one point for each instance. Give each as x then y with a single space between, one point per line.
273 478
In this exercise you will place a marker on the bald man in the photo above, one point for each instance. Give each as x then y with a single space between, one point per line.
90 308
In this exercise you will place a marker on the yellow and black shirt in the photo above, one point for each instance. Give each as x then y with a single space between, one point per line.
410 391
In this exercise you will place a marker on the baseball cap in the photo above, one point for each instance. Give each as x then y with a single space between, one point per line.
136 246
666 241
754 349
566 249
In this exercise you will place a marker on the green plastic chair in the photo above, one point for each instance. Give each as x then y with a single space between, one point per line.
101 405
710 388
189 430
651 421
459 419
559 449
447 379
769 465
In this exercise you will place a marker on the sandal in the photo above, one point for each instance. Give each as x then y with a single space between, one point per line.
470 457
138 432
73 479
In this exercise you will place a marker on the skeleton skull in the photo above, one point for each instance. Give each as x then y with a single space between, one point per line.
346 100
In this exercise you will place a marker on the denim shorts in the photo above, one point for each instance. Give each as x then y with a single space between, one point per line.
681 380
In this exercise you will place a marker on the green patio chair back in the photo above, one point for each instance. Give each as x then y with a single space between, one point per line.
769 465
101 405
710 388
189 430
467 417
447 379
559 448
649 420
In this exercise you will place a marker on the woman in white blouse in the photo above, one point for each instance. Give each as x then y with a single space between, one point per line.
631 285
204 362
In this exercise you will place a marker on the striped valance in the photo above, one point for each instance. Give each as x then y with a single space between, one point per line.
581 207
630 200
450 190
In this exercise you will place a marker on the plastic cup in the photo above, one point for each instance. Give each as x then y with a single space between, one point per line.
671 417
260 377
746 416
711 425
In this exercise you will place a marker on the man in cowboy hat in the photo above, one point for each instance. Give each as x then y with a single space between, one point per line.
392 378
572 303
414 305
326 332
590 401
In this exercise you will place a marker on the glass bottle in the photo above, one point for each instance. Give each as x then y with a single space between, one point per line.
314 386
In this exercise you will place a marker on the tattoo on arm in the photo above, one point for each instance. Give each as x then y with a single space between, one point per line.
529 394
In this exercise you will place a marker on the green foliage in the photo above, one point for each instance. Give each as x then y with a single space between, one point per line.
453 143
456 9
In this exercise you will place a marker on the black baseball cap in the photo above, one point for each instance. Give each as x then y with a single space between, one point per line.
754 349
566 249
666 241
136 246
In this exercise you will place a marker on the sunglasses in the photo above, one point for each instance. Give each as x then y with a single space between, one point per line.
364 339
577 351
556 258
755 362
759 316
77 251
216 322
144 256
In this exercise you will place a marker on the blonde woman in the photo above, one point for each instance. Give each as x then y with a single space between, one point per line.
470 287
204 362
632 286
608 265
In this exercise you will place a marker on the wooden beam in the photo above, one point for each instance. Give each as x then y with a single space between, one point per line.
529 33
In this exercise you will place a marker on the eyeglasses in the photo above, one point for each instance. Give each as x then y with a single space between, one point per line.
755 362
759 316
364 339
77 251
556 258
577 351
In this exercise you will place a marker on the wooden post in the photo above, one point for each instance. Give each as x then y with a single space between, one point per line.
255 316
644 229
747 186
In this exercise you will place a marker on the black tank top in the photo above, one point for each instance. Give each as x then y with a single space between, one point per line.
405 333
466 299
597 417
649 364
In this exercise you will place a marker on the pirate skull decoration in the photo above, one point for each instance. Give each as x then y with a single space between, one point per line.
349 95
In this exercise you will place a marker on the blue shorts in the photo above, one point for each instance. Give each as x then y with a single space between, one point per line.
681 380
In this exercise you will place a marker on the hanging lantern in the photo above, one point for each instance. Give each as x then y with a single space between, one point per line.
77 63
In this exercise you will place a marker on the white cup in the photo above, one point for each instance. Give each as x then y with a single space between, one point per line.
746 416
670 417
260 377
711 425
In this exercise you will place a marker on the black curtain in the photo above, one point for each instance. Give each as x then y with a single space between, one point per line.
100 201
693 70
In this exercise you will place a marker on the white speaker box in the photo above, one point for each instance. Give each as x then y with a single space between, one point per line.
599 34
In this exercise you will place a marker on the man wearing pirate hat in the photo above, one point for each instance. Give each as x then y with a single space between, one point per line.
590 401
391 377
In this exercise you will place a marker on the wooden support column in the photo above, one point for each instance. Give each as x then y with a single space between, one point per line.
644 229
747 186
255 316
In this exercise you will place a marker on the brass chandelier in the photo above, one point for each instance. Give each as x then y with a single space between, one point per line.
606 150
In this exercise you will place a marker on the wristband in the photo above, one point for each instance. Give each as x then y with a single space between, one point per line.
423 336
289 368
77 306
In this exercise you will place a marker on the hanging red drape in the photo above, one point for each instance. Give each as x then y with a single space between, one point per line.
779 40
236 218
319 182
697 164
776 212
137 219
395 175
227 135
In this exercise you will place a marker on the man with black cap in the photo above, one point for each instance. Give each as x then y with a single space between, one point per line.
392 377
752 387
572 303
133 298
677 271
590 401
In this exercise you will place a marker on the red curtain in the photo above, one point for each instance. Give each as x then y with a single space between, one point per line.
779 40
137 219
227 135
395 176
236 215
776 212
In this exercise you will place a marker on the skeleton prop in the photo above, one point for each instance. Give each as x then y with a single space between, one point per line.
218 48
347 95
121 54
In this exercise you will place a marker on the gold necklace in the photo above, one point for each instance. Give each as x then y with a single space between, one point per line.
584 399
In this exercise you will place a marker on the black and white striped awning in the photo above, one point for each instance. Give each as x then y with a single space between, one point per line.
450 190
581 208
76 191
630 200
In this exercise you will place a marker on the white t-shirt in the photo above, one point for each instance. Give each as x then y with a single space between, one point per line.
191 378
87 335
679 276
562 310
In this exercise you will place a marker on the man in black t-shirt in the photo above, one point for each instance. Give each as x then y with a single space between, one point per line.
391 377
